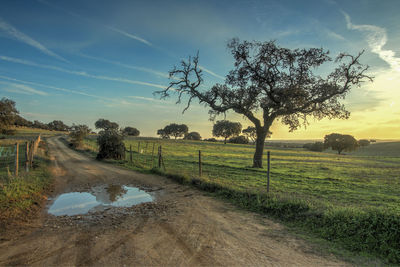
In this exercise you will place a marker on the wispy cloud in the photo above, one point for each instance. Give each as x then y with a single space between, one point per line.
21 89
155 72
334 35
53 87
376 38
212 73
148 99
129 35
108 101
111 28
12 32
80 73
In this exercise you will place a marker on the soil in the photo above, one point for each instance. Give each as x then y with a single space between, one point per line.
183 226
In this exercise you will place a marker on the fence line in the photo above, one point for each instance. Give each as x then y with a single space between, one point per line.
158 157
11 155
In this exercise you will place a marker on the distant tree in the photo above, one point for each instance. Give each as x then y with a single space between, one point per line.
192 136
176 130
8 115
212 139
57 125
275 82
340 142
364 142
40 125
241 139
317 146
226 129
251 133
20 121
131 131
77 134
372 140
110 140
163 134
105 124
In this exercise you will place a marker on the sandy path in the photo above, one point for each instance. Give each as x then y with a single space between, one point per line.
182 227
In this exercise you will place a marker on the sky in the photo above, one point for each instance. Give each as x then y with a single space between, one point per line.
78 61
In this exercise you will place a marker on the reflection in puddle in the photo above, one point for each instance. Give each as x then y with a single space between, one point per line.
113 195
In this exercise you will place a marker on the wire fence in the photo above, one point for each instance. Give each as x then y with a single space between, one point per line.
18 157
188 161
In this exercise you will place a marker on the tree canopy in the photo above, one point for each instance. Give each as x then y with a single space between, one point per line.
226 129
340 142
78 133
110 140
105 124
192 136
364 142
8 114
269 82
131 131
173 129
57 125
163 134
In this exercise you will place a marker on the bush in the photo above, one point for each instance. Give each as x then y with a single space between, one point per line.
131 131
77 134
239 140
192 136
364 142
317 146
8 131
211 140
111 145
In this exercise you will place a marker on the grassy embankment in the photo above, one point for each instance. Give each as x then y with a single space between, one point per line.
351 199
23 194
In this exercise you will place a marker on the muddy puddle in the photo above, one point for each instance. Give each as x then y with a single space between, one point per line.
98 198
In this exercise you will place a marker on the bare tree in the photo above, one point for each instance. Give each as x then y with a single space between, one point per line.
269 82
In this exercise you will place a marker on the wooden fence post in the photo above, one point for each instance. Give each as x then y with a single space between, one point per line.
27 157
200 170
152 154
144 154
31 146
130 154
268 169
159 156
16 158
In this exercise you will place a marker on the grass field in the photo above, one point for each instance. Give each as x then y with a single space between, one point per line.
353 199
369 177
19 195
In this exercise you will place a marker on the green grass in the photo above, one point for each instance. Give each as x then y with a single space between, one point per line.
22 194
352 199
23 134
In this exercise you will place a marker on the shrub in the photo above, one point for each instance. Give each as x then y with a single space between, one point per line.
77 134
211 140
131 131
110 140
364 142
192 136
317 146
239 140
111 145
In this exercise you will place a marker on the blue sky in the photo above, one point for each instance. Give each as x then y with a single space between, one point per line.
82 60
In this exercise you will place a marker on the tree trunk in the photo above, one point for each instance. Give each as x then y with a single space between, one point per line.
225 140
258 155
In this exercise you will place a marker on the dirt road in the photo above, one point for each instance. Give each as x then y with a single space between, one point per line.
182 227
